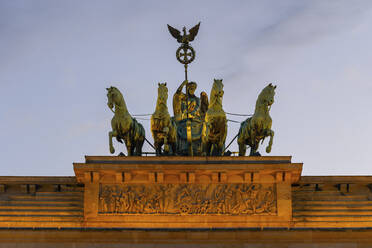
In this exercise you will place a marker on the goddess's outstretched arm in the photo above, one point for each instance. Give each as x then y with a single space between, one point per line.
179 90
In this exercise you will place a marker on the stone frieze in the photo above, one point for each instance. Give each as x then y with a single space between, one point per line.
188 199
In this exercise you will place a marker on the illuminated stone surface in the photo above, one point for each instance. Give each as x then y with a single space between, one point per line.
183 201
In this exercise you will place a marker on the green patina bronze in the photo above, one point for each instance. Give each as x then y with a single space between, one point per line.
188 113
256 128
163 127
199 125
215 123
186 106
185 54
124 127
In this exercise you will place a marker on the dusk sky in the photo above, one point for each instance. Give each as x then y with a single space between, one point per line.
57 58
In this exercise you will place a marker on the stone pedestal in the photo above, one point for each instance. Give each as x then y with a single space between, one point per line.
187 192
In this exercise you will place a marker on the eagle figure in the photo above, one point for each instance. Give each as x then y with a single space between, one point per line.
185 38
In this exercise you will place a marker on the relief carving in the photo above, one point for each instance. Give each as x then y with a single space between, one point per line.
188 199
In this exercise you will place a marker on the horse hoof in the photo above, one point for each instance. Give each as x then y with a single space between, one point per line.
255 154
227 153
166 149
112 150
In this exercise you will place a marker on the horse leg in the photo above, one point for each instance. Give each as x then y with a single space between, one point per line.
129 150
166 145
173 143
139 140
174 148
271 134
219 149
254 149
223 140
158 145
133 150
112 134
139 145
242 149
129 146
242 146
204 147
174 139
209 148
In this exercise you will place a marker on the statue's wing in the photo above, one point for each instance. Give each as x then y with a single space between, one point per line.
193 32
204 103
175 33
176 105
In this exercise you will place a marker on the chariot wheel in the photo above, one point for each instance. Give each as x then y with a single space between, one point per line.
185 209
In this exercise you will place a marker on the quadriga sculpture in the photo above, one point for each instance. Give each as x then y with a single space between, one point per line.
257 127
124 127
215 125
163 127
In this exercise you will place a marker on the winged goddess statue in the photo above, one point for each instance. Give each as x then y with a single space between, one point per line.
185 38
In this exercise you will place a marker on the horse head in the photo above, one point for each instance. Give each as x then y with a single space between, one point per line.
216 92
114 97
162 93
266 96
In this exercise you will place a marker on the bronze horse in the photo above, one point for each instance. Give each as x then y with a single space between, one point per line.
256 128
163 127
124 127
215 125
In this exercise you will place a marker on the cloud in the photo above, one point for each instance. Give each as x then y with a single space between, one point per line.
312 20
57 58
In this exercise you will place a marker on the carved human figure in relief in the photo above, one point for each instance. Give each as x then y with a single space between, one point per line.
198 199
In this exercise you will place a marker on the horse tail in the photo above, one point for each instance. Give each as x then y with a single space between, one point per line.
138 131
243 125
173 122
243 130
142 131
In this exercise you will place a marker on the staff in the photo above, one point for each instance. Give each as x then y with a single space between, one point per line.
185 54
